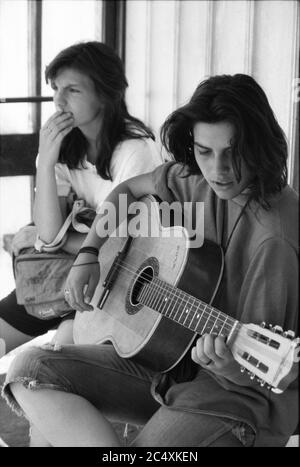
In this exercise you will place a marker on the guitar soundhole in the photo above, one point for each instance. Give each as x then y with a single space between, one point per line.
144 275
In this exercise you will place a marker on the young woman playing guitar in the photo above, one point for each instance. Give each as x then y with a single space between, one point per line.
231 155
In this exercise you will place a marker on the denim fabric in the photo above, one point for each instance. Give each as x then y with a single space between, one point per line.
169 427
116 386
121 390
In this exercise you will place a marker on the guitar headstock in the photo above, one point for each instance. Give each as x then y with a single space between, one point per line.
268 354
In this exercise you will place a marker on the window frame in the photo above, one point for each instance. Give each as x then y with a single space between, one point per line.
113 34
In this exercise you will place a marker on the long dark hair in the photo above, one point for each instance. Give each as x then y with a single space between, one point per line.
258 138
103 66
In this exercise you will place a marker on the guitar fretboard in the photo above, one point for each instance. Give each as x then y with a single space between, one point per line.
186 310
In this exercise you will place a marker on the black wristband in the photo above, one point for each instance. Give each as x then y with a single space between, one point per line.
88 249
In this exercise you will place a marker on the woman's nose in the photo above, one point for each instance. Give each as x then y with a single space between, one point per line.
222 165
60 107
59 101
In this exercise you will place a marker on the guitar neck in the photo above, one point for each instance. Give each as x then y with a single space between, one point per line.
185 309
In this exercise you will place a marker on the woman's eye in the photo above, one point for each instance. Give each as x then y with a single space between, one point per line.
73 90
203 153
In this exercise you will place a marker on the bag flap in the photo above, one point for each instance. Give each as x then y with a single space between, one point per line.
41 277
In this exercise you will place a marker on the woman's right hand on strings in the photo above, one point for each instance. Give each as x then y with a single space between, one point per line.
82 281
52 134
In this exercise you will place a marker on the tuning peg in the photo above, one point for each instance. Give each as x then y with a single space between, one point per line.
276 390
270 326
289 334
277 329
252 375
260 381
243 369
263 324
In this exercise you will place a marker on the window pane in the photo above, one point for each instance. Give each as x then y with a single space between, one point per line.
13 192
14 73
15 118
66 22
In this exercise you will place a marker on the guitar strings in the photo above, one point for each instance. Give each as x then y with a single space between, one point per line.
215 313
239 325
202 304
268 352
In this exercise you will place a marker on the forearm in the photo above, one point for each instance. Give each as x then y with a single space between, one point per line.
98 233
74 242
131 190
82 281
47 212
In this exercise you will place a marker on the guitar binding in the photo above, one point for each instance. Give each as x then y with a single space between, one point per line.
148 269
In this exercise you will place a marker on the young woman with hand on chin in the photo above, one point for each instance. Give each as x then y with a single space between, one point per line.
86 148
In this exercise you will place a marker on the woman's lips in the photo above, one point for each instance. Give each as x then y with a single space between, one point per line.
222 184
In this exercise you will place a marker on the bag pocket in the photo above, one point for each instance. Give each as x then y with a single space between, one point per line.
40 279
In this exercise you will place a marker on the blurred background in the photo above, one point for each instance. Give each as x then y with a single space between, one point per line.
168 47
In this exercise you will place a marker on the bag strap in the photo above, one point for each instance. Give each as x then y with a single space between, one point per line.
61 237
59 240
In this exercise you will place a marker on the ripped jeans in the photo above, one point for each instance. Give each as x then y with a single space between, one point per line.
121 390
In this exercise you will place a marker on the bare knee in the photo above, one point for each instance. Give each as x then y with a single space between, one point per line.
37 440
64 333
18 390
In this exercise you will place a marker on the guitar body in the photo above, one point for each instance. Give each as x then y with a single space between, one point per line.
155 297
137 331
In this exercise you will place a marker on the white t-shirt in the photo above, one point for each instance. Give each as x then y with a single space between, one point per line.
130 158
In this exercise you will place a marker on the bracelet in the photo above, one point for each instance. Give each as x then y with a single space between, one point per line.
88 249
84 264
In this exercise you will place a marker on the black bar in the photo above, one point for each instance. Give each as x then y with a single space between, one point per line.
113 25
121 29
12 100
35 59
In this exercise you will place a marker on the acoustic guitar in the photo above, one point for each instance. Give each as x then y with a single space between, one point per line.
155 297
